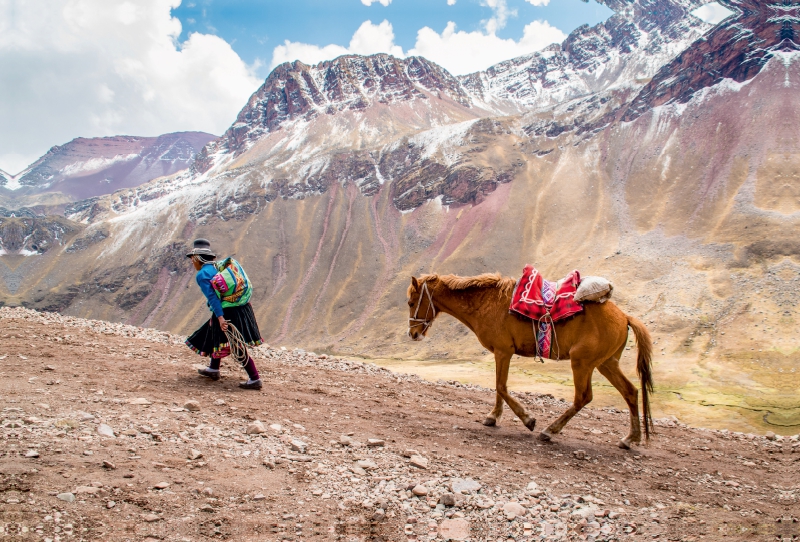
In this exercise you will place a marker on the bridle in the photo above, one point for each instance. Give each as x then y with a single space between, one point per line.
425 322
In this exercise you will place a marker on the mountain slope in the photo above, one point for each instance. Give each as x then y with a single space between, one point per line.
362 100
623 52
88 167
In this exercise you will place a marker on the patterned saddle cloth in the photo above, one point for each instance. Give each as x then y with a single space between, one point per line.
545 302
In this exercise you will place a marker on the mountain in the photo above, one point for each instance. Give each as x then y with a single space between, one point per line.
673 173
623 52
350 102
736 51
89 167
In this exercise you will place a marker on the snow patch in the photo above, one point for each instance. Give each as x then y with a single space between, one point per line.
13 182
712 13
443 138
95 164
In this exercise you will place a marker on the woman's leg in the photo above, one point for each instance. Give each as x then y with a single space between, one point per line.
250 367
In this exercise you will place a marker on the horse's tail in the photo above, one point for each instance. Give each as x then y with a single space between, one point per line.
644 368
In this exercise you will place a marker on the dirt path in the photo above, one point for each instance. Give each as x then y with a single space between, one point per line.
323 453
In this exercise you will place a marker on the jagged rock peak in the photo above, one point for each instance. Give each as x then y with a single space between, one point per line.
737 49
624 51
352 82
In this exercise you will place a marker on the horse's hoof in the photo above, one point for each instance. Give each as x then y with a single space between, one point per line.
544 436
490 422
624 445
530 424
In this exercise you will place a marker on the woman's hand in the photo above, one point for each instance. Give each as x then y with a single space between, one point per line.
223 323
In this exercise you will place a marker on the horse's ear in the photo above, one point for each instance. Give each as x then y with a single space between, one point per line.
415 283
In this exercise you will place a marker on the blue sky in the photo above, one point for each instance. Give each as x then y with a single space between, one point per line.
255 27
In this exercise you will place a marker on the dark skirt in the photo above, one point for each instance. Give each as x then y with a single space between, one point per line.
210 339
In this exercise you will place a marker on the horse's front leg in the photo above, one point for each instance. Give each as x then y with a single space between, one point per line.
497 411
502 362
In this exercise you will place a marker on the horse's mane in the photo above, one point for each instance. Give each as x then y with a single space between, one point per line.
485 280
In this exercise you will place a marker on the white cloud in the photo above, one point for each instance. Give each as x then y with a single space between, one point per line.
501 15
451 2
458 52
99 67
538 2
462 52
712 13
367 40
382 2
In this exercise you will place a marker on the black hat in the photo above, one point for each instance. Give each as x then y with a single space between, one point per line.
202 247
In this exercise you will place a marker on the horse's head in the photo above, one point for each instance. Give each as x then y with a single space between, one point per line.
421 312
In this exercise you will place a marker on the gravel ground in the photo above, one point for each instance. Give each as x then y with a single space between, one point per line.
108 433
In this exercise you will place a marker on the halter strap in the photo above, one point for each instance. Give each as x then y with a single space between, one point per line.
425 322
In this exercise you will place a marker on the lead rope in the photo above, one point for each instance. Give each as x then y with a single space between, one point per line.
237 345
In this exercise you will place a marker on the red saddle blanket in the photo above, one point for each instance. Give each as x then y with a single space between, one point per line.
535 297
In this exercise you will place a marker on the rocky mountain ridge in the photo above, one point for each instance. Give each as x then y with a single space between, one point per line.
620 54
296 92
623 52
91 167
735 50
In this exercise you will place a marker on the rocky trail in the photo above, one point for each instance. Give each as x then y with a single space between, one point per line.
108 433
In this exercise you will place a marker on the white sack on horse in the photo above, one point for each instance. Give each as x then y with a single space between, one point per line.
595 289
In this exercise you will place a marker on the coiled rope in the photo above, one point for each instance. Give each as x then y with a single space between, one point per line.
237 345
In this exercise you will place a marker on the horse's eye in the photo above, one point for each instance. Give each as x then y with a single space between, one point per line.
410 303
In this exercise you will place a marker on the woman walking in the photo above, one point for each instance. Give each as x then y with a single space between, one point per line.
227 290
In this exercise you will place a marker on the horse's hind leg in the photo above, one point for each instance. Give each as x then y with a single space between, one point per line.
502 363
582 376
610 369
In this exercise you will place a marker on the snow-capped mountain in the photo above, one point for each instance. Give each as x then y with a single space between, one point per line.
384 95
625 51
358 102
88 167
736 50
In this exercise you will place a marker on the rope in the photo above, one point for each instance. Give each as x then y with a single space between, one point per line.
542 328
237 345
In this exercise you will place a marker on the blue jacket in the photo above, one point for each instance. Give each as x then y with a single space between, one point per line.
203 278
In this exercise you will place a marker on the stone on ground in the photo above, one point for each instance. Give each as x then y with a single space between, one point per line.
419 462
454 529
256 428
460 485
105 431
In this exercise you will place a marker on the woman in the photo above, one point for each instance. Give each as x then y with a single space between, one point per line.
210 340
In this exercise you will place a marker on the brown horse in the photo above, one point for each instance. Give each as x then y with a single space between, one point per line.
593 339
